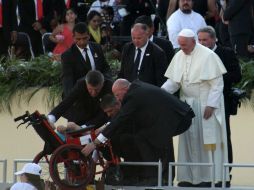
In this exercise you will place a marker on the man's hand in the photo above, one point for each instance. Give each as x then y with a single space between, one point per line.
14 36
61 129
88 149
208 112
37 26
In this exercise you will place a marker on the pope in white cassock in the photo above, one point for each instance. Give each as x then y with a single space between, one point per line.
198 71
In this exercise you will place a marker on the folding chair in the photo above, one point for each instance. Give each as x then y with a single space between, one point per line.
47 44
24 40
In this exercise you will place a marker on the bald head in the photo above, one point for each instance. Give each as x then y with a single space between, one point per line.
120 88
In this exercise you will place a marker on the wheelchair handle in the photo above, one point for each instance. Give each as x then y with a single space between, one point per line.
22 117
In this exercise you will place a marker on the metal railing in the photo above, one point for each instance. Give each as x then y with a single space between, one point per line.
4 162
158 164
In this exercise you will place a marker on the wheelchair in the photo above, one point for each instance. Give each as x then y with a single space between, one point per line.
66 165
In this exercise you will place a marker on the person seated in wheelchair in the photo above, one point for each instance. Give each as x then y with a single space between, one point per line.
148 116
82 105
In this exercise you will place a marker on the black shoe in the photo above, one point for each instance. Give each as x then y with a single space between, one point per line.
204 184
219 184
185 184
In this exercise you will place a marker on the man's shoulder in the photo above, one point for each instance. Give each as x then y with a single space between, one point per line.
127 47
197 15
69 52
94 45
155 48
224 49
162 41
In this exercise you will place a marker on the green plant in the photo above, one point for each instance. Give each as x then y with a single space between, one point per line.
23 79
17 76
247 82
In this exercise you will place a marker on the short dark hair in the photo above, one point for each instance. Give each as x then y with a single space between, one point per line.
107 101
144 20
91 15
94 78
208 29
80 28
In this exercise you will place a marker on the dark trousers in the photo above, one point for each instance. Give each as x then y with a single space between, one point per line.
3 44
134 148
240 43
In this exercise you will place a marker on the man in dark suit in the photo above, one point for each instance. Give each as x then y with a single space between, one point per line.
207 37
142 59
35 17
239 14
156 115
8 25
165 45
134 9
82 105
81 57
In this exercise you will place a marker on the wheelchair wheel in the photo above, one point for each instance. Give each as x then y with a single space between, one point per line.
70 169
43 160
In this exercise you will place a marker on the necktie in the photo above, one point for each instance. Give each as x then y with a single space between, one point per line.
39 9
87 58
136 63
1 15
68 3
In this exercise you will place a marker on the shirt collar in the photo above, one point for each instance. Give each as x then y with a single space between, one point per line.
151 38
144 47
214 47
81 50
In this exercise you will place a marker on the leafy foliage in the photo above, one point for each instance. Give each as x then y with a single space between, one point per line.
17 76
247 82
23 79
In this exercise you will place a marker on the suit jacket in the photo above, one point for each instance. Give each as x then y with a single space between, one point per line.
74 66
9 17
239 15
153 65
27 14
166 46
233 74
156 114
80 107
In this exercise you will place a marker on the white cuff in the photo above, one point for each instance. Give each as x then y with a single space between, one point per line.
83 126
102 138
51 118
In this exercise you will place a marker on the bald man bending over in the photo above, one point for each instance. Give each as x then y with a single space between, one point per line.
156 116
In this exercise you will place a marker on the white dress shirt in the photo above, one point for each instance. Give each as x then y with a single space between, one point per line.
89 55
179 20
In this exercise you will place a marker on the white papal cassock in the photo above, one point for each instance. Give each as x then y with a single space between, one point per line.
199 77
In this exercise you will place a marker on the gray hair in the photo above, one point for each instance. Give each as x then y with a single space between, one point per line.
140 26
208 29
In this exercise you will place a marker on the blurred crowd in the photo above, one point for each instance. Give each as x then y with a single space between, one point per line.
233 21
